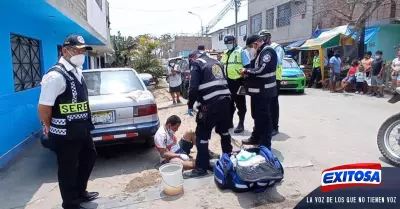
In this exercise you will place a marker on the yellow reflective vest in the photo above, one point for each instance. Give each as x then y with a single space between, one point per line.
316 62
279 67
234 64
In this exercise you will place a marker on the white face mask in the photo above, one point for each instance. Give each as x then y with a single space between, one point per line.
229 46
78 60
252 53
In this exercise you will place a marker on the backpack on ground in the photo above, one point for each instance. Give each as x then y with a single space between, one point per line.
256 178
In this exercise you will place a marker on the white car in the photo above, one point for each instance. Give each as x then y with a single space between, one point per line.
123 110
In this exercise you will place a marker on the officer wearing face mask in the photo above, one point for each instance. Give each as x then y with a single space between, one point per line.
261 86
280 52
234 60
209 87
64 111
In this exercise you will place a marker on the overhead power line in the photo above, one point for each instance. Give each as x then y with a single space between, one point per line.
169 10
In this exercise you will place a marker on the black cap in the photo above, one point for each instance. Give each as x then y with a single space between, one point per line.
229 39
76 41
252 39
194 53
201 47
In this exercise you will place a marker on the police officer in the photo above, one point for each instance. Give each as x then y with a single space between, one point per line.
316 73
234 61
209 87
261 86
64 111
266 35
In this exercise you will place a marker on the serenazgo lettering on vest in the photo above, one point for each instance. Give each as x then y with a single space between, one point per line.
74 108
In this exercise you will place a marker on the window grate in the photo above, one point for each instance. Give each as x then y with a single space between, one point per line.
26 60
255 23
270 19
284 14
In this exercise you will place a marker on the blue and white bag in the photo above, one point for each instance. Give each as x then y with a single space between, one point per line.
248 178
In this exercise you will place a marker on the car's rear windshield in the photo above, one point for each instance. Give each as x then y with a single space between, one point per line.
111 82
289 63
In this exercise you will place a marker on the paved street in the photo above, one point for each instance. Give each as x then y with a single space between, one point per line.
318 130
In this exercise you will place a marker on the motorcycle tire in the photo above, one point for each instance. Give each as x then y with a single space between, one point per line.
381 140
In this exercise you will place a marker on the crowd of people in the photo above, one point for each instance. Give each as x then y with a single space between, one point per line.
365 75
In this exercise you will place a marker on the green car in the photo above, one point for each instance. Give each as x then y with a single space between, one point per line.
293 77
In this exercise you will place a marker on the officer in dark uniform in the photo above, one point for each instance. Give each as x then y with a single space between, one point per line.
261 86
209 87
64 111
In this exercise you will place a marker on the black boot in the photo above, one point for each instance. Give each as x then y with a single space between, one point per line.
250 141
239 128
196 172
274 132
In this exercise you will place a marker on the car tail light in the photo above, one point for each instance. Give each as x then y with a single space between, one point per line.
146 110
150 80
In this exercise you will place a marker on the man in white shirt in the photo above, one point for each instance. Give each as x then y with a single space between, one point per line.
64 111
175 82
170 149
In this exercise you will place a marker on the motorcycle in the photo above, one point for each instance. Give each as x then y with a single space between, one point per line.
385 131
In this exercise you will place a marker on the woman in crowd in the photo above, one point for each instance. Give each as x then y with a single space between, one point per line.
396 71
350 78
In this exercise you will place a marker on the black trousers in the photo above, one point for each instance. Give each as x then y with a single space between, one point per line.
239 100
76 158
218 116
261 113
275 107
315 76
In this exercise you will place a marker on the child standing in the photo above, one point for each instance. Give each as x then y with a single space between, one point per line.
360 78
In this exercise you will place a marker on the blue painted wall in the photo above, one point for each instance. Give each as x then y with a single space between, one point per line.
18 110
385 39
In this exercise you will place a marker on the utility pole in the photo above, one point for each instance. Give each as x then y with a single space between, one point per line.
237 4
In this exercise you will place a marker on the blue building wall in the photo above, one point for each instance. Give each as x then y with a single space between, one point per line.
18 110
385 40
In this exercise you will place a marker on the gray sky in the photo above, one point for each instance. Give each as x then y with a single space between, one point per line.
135 17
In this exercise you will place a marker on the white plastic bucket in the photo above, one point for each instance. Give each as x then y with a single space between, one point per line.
171 174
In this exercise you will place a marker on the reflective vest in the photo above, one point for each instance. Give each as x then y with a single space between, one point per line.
71 116
234 64
316 62
279 67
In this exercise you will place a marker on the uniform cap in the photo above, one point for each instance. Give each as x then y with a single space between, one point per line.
252 39
76 41
194 53
201 47
229 39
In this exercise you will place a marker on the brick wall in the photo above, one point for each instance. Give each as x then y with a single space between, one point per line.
190 43
79 7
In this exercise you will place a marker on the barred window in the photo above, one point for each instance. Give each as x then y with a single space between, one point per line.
270 19
100 3
284 14
243 30
255 23
26 60
221 36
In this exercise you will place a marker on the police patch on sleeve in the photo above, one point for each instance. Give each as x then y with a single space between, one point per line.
267 58
217 71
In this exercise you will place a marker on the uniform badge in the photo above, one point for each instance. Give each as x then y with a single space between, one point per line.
217 71
80 39
267 58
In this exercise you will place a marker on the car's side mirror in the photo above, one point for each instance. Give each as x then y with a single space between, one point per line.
302 66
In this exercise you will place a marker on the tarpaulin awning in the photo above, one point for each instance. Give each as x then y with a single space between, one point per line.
295 44
369 34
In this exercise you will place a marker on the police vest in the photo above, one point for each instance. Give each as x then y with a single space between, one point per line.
71 116
265 81
233 63
279 67
213 84
316 62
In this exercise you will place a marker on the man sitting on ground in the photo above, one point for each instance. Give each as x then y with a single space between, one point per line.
170 149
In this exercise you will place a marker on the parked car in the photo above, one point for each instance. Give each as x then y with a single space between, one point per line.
148 80
293 77
123 110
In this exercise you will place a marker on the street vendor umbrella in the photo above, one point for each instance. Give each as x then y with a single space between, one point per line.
325 42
